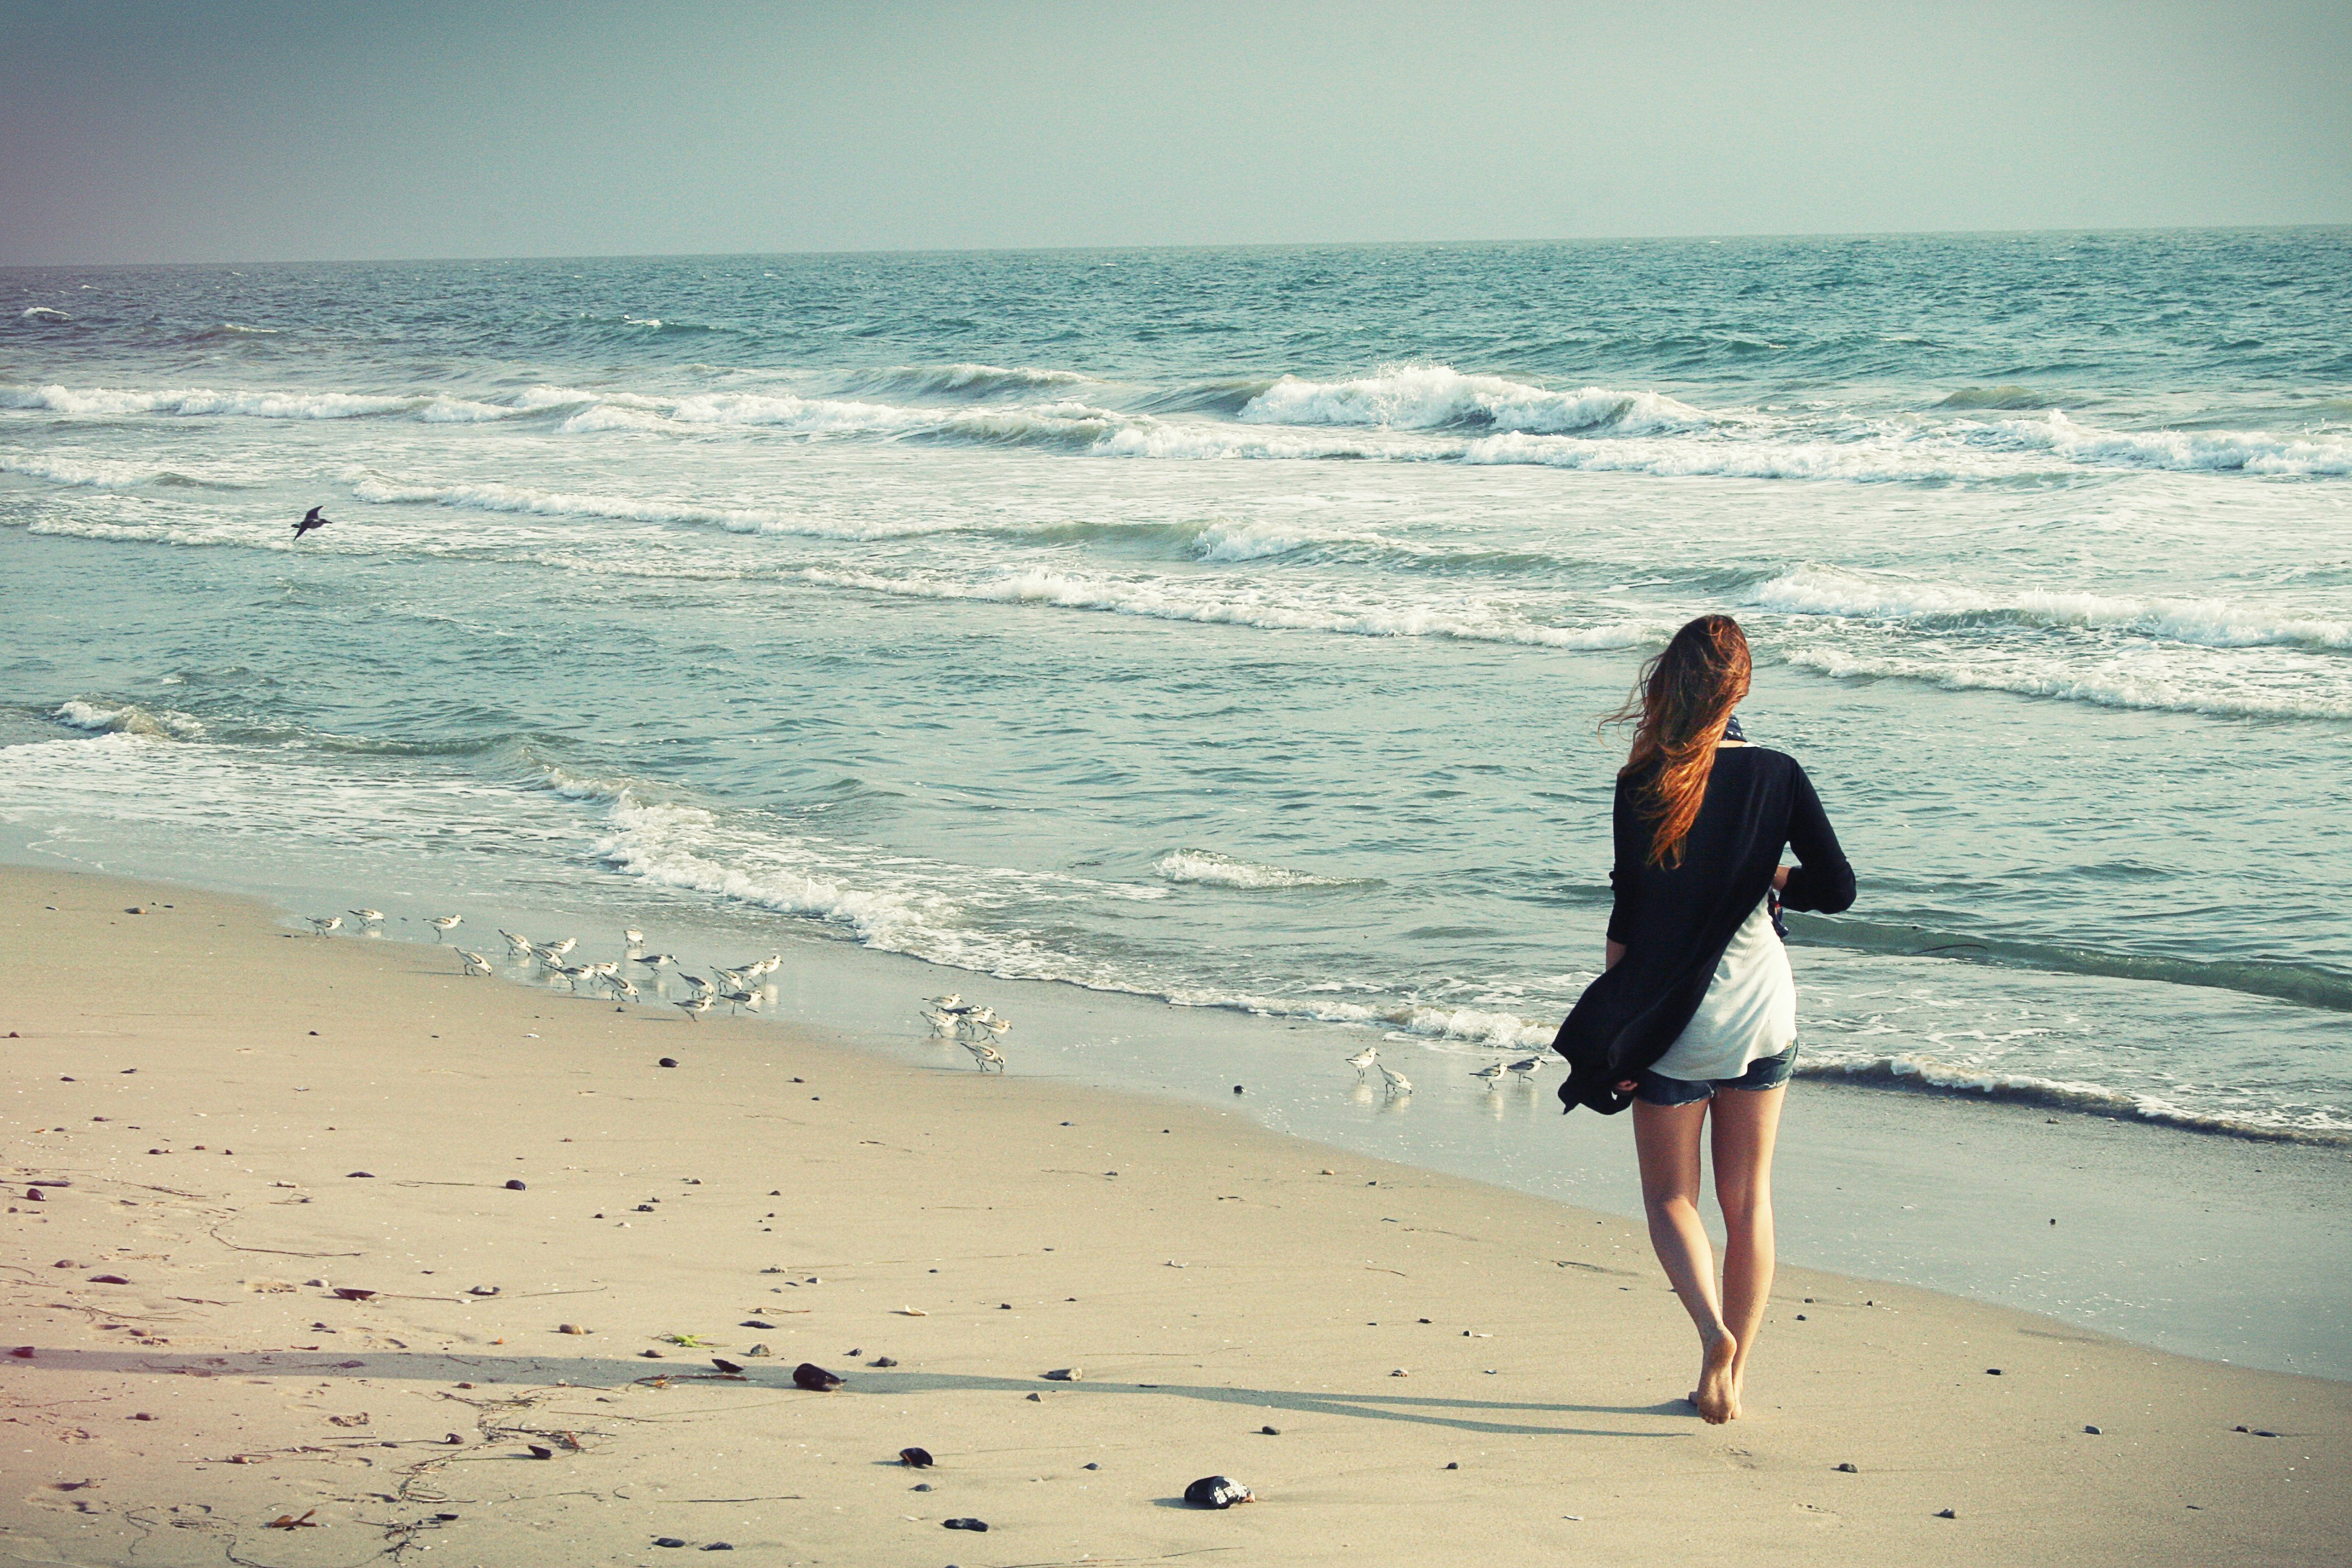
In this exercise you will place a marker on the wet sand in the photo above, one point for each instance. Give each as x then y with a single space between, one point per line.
208 1084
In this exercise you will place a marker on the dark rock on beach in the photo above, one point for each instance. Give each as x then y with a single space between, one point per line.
1217 1491
814 1378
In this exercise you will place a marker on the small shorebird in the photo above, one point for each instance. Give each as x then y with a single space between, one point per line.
948 1002
1398 1083
573 972
325 923
985 1055
1363 1061
444 924
475 962
517 946
732 980
368 917
1491 1074
1529 1068
653 960
603 969
769 965
942 1025
633 939
622 986
695 1009
701 986
558 948
735 999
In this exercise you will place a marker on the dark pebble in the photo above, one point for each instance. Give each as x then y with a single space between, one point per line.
1091 1466
349 1175
539 1452
37 1196
667 1541
1271 1431
814 1378
1992 1372
720 1546
666 1062
1851 1469
1237 1088
884 1361
23 1353
978 1524
2093 1431
757 1323
1453 1464
119 1279
915 1459
516 1187
921 1487
1945 1513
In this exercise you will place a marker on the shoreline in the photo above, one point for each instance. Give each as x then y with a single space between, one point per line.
1208 1277
2157 1229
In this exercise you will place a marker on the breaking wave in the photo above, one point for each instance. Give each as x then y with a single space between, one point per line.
428 407
128 719
1926 1074
2211 623
42 314
968 380
1207 869
1436 397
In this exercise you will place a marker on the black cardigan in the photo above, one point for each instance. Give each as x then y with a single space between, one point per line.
1675 922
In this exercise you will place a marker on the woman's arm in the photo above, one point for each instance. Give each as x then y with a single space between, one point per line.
1615 951
1823 880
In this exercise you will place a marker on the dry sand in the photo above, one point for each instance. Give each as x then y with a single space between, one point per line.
209 1084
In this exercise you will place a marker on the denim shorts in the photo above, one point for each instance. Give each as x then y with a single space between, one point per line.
1769 1073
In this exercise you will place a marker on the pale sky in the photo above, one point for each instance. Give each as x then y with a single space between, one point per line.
231 130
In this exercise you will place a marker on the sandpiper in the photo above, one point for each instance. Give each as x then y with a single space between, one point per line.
1529 1066
1363 1061
622 986
557 948
1398 1083
633 939
368 917
323 924
985 1055
696 1008
475 962
516 946
444 924
735 999
653 960
1491 1074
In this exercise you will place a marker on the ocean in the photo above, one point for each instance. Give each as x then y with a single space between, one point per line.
1230 630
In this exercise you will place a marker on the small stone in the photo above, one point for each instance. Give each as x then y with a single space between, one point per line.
119 1279
23 1353
814 1378
356 1175
915 1459
570 1329
1066 1374
757 1323
921 1487
666 1062
1992 1372
1036 1399
1453 1464
883 1361
667 1541
1270 1431
143 1416
1399 1373
1851 1469
979 1524
1090 1467
1945 1513
1801 1317
1217 1491
2092 1431
539 1451
720 1546
1237 1088
513 1186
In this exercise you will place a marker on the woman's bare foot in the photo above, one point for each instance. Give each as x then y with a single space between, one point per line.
1716 1399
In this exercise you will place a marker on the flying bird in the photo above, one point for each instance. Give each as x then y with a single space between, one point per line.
311 519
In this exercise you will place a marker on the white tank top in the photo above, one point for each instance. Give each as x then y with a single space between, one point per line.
1749 1012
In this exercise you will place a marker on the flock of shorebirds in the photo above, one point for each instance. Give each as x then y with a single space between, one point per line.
1491 1075
975 1027
737 987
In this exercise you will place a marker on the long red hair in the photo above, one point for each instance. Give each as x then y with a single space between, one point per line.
1683 701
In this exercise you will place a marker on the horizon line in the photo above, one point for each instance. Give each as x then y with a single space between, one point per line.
914 251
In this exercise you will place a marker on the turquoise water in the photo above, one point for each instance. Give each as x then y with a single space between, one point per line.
1230 627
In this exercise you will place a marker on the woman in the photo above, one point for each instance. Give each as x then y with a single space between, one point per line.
1695 1018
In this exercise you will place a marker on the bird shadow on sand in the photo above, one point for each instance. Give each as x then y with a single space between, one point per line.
1498 1417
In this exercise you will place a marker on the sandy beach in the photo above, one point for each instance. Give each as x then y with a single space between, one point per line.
319 1217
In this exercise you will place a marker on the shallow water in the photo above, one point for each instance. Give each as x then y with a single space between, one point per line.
1230 627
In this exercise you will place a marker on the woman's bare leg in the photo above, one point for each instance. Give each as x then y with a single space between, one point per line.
1747 1121
1666 1138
